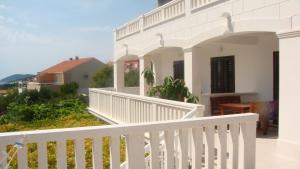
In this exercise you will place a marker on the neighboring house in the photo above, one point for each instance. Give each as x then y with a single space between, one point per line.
79 70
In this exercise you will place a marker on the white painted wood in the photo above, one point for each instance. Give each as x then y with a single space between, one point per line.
79 153
197 147
137 108
234 155
61 154
22 157
222 152
135 151
210 137
169 149
3 157
249 136
42 155
97 153
154 152
183 154
136 145
114 152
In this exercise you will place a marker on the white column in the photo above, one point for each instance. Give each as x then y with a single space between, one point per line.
289 88
142 79
191 72
118 75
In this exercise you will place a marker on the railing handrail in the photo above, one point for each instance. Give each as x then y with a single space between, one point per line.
162 7
124 129
182 105
128 23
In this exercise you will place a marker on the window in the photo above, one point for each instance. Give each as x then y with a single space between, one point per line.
222 74
178 69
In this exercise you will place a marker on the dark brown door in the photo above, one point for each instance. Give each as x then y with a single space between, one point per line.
276 76
276 86
178 69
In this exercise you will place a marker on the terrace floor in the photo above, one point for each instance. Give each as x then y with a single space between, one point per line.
269 156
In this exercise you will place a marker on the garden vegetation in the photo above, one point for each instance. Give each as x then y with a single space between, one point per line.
45 109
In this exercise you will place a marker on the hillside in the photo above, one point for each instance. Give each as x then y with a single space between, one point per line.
15 78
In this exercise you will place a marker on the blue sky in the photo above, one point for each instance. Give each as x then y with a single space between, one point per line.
35 34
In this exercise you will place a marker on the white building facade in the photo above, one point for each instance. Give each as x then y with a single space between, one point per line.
255 34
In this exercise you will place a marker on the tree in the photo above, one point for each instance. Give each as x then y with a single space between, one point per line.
104 77
69 88
132 78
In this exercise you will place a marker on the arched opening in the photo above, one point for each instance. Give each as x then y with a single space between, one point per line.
168 61
238 68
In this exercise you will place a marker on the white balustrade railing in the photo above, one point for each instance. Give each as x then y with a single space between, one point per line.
196 4
127 108
128 29
232 137
161 14
164 13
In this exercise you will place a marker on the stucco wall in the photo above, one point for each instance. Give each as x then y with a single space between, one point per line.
289 108
163 63
79 73
253 65
198 26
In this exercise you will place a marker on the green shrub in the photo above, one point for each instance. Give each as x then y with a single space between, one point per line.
104 77
173 89
69 88
132 78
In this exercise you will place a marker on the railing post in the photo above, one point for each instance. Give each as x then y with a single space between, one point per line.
187 7
141 24
111 105
249 136
128 110
154 111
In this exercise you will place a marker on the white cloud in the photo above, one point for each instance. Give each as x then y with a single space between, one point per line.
7 21
3 6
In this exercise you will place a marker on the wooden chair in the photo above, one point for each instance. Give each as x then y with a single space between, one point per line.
216 101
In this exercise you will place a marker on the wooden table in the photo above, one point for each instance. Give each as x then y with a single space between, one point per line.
241 108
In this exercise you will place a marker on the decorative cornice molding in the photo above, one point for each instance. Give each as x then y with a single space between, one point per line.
289 34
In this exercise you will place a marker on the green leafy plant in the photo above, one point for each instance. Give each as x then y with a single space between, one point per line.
132 78
69 88
149 76
173 89
104 77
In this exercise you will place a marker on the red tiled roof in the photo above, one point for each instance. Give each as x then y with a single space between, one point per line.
66 65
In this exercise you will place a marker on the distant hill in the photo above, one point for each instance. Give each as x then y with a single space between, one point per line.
15 78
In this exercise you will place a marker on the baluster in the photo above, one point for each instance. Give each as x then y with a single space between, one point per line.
79 153
198 147
154 154
234 155
183 160
97 153
114 152
22 157
222 158
135 151
3 158
61 154
210 137
169 149
42 155
249 136
128 110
